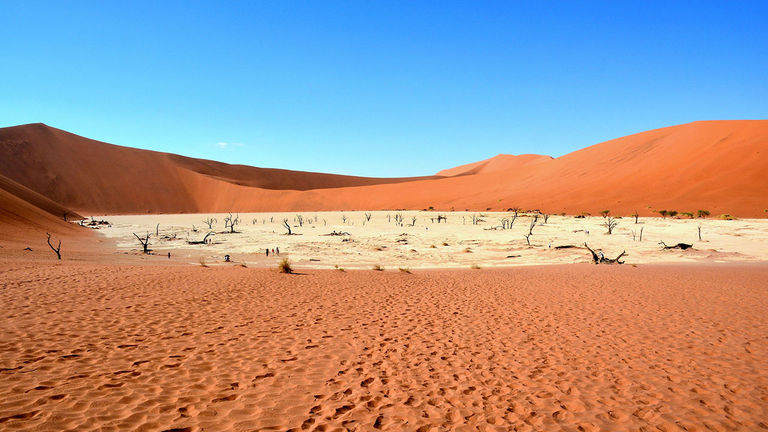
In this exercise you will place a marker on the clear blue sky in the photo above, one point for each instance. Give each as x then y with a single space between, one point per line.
378 88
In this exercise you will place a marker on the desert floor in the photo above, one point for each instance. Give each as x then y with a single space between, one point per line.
91 346
457 243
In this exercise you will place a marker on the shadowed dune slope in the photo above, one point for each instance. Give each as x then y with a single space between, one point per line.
720 166
23 210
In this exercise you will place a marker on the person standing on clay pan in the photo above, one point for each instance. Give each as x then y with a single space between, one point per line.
267 251
278 250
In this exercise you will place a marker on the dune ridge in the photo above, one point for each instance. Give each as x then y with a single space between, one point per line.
720 166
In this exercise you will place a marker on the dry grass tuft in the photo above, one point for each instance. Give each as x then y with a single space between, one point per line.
404 270
475 267
378 267
285 266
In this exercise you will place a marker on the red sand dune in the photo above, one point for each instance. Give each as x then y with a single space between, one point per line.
22 210
502 162
721 166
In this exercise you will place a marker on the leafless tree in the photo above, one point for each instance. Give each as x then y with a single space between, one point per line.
443 218
413 220
546 218
157 230
610 223
699 228
231 221
210 221
287 226
368 217
57 249
343 218
144 241
636 216
641 233
300 220
530 230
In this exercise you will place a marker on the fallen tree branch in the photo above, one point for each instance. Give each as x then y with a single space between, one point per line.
681 246
601 259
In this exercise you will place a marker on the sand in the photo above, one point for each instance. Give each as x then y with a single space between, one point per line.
575 348
457 243
720 166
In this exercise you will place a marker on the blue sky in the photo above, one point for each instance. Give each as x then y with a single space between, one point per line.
378 88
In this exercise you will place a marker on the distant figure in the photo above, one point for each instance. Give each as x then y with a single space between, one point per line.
600 255
273 251
169 255
267 251
278 250
550 245
226 258
586 232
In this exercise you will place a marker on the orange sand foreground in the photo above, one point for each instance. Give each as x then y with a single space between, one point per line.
89 346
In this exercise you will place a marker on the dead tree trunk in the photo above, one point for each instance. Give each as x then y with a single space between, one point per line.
287 226
144 242
681 246
56 250
601 259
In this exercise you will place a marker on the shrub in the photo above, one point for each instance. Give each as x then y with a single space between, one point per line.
663 213
341 269
702 213
605 213
672 213
285 266
689 214
726 217
445 243
475 267
378 267
404 270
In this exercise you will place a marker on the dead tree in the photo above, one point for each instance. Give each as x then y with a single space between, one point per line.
699 228
610 223
681 246
367 217
601 259
546 218
300 220
343 219
443 218
505 223
530 230
413 221
203 241
210 221
157 230
144 242
230 222
636 216
57 249
287 226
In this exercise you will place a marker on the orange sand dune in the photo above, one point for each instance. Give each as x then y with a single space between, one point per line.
502 162
720 166
23 211
573 348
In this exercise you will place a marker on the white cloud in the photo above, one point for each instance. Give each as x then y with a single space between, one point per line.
225 145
